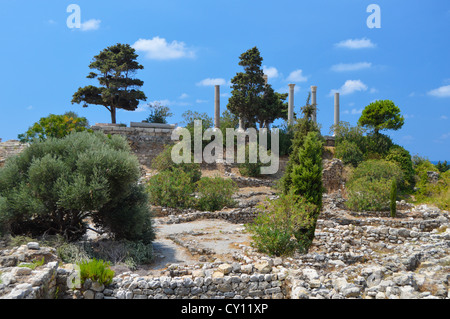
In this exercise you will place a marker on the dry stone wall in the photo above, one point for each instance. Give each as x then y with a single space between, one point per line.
10 148
146 142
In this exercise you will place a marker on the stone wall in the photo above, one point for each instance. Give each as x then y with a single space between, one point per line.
20 278
146 142
263 279
10 148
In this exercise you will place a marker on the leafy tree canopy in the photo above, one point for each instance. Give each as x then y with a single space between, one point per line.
56 126
381 115
114 68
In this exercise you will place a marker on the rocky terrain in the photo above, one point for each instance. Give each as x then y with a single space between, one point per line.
209 255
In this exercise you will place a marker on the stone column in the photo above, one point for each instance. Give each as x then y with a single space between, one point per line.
291 105
266 79
217 107
241 124
336 110
314 101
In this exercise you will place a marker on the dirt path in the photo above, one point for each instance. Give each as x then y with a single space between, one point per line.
219 237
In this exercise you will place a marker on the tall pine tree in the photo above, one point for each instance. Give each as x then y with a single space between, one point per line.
115 67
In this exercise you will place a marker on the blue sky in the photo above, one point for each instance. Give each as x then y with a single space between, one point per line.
188 46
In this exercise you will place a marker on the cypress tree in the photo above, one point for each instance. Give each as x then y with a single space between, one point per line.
393 203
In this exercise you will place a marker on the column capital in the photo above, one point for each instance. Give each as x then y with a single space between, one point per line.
291 85
313 88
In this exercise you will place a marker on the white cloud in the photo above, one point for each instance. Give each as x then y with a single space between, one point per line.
225 94
444 117
345 67
373 90
159 49
90 25
445 136
29 107
297 76
212 82
183 96
355 111
271 72
356 44
201 101
443 91
349 87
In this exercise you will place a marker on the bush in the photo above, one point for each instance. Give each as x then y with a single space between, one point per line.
171 188
97 271
306 176
54 186
366 194
215 193
377 145
301 129
349 153
355 134
443 167
369 185
163 162
421 168
250 169
432 193
56 126
279 228
375 170
393 202
402 158
158 113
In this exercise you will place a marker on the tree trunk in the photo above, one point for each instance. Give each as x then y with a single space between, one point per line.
113 115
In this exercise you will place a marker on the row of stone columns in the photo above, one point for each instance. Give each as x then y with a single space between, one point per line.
290 106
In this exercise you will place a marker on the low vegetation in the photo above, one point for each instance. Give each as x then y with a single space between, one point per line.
55 186
181 186
97 271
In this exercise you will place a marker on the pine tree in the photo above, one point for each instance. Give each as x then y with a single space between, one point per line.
115 66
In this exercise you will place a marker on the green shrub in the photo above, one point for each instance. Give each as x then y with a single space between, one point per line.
97 271
377 145
72 253
437 194
3 216
158 113
163 162
250 169
54 186
301 129
421 169
365 194
214 193
279 228
402 158
393 202
34 264
171 188
375 170
344 132
369 185
349 153
56 126
306 176
443 167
